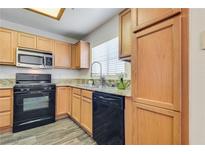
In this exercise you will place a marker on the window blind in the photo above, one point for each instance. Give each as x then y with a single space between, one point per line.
107 54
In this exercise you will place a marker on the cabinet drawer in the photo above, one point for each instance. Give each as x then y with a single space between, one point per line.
76 91
5 93
5 104
86 93
5 119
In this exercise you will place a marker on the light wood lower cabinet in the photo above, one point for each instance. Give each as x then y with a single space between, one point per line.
5 119
6 108
86 110
76 105
8 39
128 121
63 101
69 106
154 125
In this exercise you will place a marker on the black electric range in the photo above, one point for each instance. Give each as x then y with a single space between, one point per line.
34 101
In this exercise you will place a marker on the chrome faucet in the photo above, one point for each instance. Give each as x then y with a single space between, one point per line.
101 76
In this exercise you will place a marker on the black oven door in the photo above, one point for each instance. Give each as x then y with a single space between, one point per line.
33 107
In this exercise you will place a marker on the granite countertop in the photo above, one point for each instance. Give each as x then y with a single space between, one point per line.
111 90
9 83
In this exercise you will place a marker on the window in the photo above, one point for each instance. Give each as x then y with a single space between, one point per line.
107 54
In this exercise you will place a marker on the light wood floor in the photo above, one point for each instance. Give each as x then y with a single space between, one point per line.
61 132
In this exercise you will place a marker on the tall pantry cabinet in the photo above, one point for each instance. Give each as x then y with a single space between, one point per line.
157 76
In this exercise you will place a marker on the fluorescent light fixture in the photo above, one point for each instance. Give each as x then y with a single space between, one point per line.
54 13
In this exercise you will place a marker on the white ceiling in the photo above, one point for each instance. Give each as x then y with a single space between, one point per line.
75 23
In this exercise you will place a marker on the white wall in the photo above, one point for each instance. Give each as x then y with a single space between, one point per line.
27 29
197 78
104 33
9 72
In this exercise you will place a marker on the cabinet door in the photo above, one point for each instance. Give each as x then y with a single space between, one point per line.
62 55
156 65
69 100
153 125
143 17
84 54
125 33
45 44
73 56
5 119
62 100
128 121
8 46
26 40
77 55
86 111
76 103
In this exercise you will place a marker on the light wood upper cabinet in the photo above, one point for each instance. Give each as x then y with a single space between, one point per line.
73 56
81 55
125 33
45 44
76 105
8 39
153 125
143 17
63 101
156 68
86 110
62 55
27 40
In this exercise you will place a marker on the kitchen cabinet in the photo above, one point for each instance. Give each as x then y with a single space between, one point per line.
86 110
45 44
26 40
63 101
62 55
156 68
81 55
69 100
129 121
6 109
160 76
144 17
153 125
8 39
76 104
125 34
73 56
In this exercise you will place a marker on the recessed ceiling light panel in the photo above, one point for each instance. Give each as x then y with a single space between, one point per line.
54 13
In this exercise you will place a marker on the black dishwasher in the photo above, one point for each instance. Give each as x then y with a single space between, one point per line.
108 119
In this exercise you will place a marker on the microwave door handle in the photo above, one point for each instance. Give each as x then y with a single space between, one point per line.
44 61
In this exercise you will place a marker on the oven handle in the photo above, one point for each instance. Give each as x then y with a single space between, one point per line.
36 92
